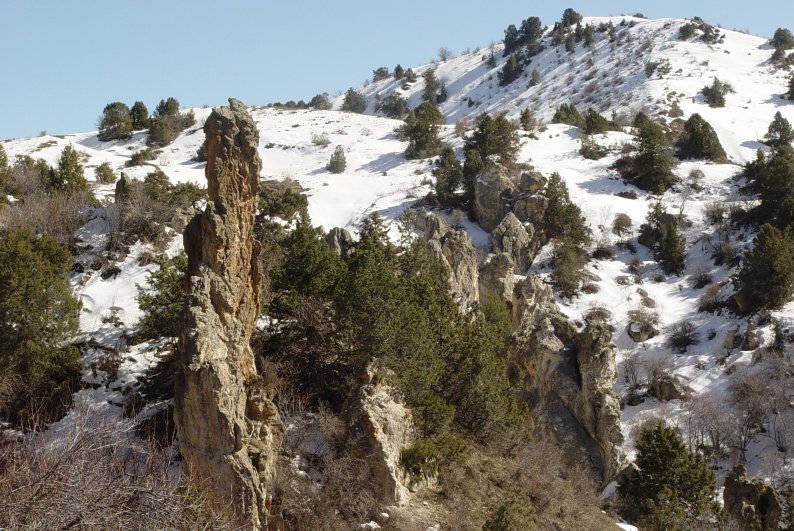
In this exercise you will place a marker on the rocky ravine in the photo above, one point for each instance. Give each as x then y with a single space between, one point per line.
228 427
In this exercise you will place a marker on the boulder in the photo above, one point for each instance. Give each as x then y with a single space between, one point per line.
493 191
496 279
431 225
748 500
228 427
532 182
641 331
668 387
531 208
512 238
455 250
340 241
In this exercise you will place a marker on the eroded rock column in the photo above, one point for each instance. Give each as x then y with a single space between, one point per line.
228 427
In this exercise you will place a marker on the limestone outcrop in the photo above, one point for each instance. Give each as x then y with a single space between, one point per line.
340 241
511 237
228 427
493 192
751 500
496 279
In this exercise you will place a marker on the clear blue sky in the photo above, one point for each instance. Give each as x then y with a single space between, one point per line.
61 61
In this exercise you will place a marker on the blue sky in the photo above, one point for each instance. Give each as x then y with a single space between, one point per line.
61 61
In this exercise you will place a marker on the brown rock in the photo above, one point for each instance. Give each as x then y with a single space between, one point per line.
512 238
228 427
532 182
493 191
747 500
496 279
459 256
531 208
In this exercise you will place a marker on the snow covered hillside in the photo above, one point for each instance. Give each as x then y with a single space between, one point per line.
611 77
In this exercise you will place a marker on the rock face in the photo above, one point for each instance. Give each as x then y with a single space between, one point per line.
569 374
228 427
454 249
492 195
668 387
496 279
512 238
340 241
747 500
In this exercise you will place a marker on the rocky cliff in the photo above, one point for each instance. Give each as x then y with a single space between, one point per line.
228 427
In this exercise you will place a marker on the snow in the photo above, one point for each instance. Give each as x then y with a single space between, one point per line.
611 77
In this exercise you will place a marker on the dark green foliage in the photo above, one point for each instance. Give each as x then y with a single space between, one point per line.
512 69
380 74
338 161
115 122
513 513
783 39
672 251
491 62
449 176
594 123
6 172
700 141
687 31
567 113
530 33
354 102
399 72
591 150
320 102
163 300
393 106
589 35
167 107
512 40
495 136
568 261
671 481
780 132
472 166
104 174
410 76
69 174
421 131
563 220
38 317
767 274
791 88
442 95
570 43
570 18
431 86
772 177
139 115
651 168
527 120
283 199
715 93
534 78
141 157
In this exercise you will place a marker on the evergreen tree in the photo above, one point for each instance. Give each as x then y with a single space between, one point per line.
399 72
6 172
69 174
491 60
570 43
589 35
567 113
163 301
167 107
38 317
495 136
570 18
791 88
594 123
410 76
115 122
669 478
512 40
431 86
393 106
103 174
472 166
700 141
320 102
562 219
531 31
421 130
780 132
449 176
534 78
651 169
715 93
772 176
354 102
380 74
338 162
527 120
139 115
512 69
783 39
767 274
672 251
568 261
442 96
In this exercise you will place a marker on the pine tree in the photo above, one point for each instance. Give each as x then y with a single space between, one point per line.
472 166
715 93
563 220
354 102
320 102
69 174
449 176
570 43
421 130
495 136
783 39
167 107
651 169
767 274
534 78
512 69
567 113
6 172
791 88
163 301
669 478
672 251
399 72
527 120
512 40
700 141
594 123
780 132
139 115
338 162
431 86
115 122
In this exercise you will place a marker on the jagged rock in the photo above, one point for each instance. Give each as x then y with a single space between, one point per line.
431 225
340 241
747 499
668 387
641 331
459 256
531 208
512 238
496 279
389 429
569 375
493 191
532 182
228 427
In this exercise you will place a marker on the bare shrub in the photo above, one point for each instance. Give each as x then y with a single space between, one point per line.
726 252
320 139
682 335
621 225
631 370
699 278
715 212
709 301
462 126
99 476
56 214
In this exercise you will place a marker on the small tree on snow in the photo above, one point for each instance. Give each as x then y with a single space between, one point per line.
338 161
780 132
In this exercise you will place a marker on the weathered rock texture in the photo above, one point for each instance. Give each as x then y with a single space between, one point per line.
747 500
569 374
340 241
228 427
511 237
493 191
